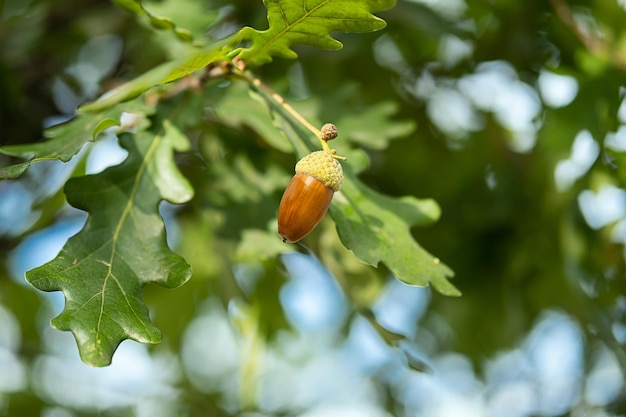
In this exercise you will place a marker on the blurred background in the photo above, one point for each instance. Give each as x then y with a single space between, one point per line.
510 114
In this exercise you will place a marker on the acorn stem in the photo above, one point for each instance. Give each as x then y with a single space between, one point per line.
293 112
332 152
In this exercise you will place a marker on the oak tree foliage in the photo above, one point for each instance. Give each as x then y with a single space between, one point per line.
103 269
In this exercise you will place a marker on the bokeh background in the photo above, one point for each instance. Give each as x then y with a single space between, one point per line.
510 114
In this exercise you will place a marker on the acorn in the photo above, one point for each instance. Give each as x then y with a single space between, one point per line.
308 195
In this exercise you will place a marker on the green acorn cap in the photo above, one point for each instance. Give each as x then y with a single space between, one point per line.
322 166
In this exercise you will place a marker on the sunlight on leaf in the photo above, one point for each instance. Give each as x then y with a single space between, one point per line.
172 185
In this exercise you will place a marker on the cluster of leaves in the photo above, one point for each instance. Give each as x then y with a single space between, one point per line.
102 270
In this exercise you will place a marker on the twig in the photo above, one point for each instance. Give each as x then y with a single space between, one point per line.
280 100
255 81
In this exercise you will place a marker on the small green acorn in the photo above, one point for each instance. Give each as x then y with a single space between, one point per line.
309 193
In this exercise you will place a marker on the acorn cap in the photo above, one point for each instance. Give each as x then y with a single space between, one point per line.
322 166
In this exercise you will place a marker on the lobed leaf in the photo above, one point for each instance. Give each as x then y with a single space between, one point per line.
308 22
122 247
377 229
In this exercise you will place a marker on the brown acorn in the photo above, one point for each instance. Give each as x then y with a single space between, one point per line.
308 195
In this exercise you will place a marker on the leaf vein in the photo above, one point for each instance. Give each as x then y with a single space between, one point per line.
128 303
86 303
289 26
120 223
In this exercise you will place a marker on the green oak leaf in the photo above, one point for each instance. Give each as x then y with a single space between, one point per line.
376 228
67 139
308 22
122 247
